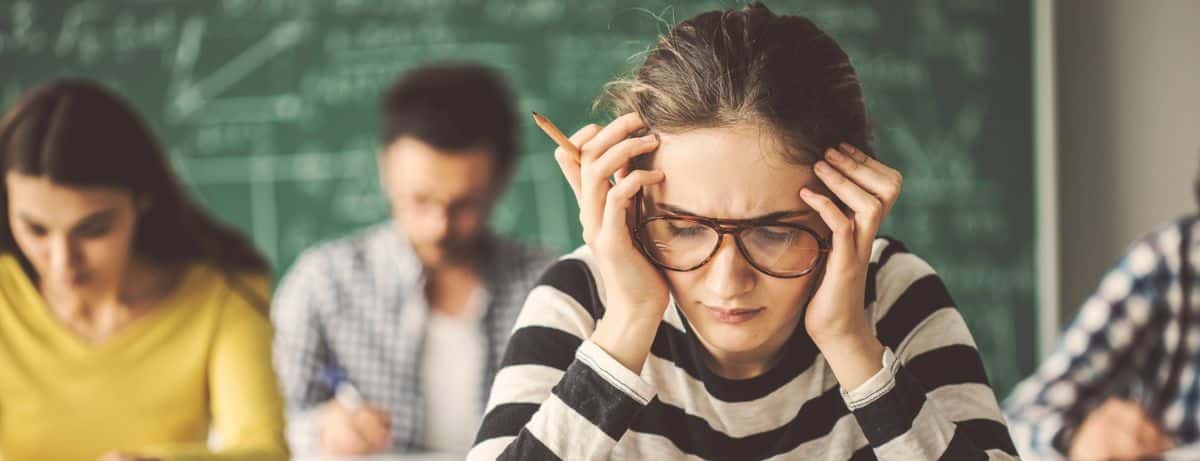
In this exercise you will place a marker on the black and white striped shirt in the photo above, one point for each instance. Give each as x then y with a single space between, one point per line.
560 396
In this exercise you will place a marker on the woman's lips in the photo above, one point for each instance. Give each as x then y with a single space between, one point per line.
733 316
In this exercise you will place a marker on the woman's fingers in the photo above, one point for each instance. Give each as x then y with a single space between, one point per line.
621 173
844 253
616 159
570 170
615 132
878 179
569 161
868 209
861 157
620 197
867 186
602 155
585 134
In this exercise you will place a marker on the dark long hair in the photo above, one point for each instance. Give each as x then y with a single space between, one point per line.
77 133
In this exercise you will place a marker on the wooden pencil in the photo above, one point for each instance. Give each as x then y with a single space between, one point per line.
554 133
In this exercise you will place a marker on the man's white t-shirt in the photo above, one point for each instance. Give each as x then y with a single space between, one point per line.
451 376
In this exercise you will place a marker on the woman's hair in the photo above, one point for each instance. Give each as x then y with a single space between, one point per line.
725 67
76 133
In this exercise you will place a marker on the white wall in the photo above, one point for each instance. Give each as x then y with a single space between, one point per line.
1128 98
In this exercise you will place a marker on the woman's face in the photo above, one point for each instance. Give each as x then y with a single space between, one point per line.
78 239
735 172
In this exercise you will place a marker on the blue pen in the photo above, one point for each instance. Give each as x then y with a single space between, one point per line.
344 391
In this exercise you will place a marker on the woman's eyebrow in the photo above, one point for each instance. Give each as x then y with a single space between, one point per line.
769 216
29 219
97 218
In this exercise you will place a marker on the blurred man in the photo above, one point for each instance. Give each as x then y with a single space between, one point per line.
387 340
1122 383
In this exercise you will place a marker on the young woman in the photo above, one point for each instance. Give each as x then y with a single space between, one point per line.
740 306
130 321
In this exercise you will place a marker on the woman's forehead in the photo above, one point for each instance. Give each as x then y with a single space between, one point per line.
739 145
45 198
730 172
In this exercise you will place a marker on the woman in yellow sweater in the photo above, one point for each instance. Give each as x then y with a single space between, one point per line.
131 322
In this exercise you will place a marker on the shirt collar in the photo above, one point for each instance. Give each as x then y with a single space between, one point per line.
401 261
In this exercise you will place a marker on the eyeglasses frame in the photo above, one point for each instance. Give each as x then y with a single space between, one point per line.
722 227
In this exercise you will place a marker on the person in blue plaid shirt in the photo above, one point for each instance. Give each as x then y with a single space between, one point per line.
387 340
1121 383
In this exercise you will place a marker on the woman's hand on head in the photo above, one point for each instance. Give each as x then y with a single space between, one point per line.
835 318
635 291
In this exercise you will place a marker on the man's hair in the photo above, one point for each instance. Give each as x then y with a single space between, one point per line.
453 106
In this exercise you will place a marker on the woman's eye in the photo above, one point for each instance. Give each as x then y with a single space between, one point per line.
686 230
775 236
37 230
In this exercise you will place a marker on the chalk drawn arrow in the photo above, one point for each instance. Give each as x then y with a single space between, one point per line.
189 97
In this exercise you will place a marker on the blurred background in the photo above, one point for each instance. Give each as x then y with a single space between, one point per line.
1128 120
1036 138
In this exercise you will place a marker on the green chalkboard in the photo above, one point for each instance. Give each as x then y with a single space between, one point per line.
268 108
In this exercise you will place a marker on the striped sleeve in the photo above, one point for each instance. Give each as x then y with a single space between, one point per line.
931 399
1099 349
558 395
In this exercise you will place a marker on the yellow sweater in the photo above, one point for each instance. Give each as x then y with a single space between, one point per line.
203 357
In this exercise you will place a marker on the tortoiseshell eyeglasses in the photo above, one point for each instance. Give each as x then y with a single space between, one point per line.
685 243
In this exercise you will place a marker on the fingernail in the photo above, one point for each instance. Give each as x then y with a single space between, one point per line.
649 139
805 192
821 166
846 148
833 154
